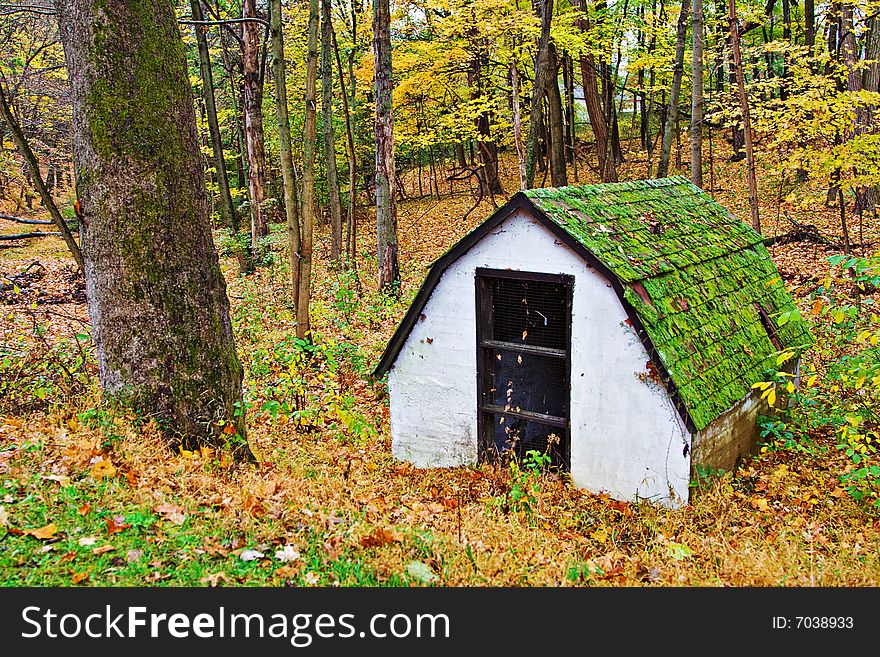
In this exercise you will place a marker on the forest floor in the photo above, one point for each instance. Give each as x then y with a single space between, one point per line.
89 497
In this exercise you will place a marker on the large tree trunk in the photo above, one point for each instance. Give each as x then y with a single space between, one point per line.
303 325
288 174
697 94
746 116
669 126
253 119
542 71
386 208
156 296
329 136
558 173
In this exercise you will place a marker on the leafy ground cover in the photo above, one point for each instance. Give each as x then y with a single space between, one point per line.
90 496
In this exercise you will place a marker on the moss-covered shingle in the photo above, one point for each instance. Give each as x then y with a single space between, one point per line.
696 276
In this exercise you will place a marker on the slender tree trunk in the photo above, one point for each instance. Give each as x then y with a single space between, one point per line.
329 136
253 120
24 148
352 165
386 207
672 109
309 210
747 121
570 117
558 173
864 196
542 71
285 146
697 94
810 24
517 122
593 101
155 294
227 210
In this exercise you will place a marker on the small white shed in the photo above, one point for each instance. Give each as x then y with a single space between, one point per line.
618 327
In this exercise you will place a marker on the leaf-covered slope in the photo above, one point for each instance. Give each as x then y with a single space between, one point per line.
697 277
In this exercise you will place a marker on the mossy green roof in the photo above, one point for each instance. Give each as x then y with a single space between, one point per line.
696 276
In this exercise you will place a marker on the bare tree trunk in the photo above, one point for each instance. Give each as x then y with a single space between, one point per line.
558 173
810 24
227 210
593 101
542 70
517 122
746 116
672 109
156 296
303 325
570 117
351 233
285 146
386 208
31 159
253 119
697 94
329 136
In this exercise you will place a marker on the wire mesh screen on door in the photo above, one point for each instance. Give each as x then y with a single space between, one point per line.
529 312
524 327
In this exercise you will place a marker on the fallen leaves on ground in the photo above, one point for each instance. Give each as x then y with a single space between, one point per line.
173 513
102 469
215 579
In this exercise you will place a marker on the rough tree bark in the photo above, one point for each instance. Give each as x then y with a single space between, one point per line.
542 70
303 325
697 93
329 136
156 297
386 209
672 108
253 119
288 174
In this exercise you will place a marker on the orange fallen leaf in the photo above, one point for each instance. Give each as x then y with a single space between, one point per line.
378 538
103 470
116 525
289 571
43 533
78 578
84 509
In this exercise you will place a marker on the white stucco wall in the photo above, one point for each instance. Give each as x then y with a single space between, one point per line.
626 436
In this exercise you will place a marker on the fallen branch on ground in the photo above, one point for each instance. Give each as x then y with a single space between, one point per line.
22 220
13 280
27 236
